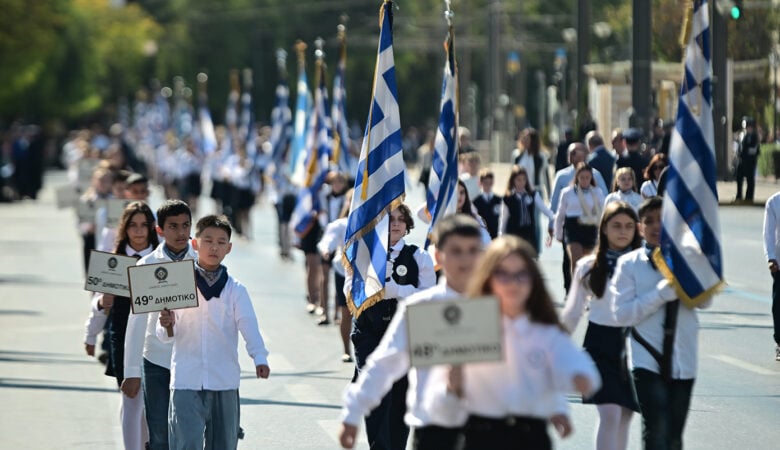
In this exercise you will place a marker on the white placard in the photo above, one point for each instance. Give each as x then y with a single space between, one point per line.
86 210
86 167
171 285
107 273
454 332
68 196
114 210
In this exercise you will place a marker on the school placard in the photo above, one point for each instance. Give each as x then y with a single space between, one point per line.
169 285
107 273
114 209
454 332
67 196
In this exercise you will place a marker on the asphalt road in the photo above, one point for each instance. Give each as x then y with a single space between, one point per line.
54 396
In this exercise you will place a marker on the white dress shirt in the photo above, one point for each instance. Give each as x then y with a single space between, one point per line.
539 366
141 341
389 362
570 205
649 189
638 294
333 241
580 296
772 227
205 340
630 197
426 277
563 179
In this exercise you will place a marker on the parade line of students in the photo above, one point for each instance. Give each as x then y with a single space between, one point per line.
181 392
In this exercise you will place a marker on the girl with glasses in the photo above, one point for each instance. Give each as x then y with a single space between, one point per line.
652 175
508 404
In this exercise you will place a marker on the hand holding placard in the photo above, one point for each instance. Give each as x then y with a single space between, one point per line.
167 319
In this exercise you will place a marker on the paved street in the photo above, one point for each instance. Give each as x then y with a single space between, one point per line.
55 397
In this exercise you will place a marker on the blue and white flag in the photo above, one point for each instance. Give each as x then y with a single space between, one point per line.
302 106
317 161
441 198
379 183
689 255
246 128
281 116
341 142
208 137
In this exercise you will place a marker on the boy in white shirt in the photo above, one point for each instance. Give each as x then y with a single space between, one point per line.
144 353
458 245
205 373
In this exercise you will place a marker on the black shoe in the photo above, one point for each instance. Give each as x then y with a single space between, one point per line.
323 321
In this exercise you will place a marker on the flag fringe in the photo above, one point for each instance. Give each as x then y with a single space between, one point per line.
689 302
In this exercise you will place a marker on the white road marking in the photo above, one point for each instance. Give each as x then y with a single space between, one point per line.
306 393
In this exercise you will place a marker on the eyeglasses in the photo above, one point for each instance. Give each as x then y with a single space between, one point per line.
658 167
521 277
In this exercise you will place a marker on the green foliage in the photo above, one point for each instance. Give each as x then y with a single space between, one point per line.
766 159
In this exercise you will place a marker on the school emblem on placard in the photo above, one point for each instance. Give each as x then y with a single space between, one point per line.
401 270
112 262
452 314
161 274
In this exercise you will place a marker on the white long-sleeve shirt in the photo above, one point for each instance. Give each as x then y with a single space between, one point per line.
538 369
630 197
772 227
580 296
570 206
205 340
638 294
389 362
333 241
141 341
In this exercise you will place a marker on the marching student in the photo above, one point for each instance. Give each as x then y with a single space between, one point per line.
331 247
205 373
579 213
604 341
458 245
508 404
488 205
519 207
144 352
663 348
136 237
624 189
135 187
333 201
100 189
409 270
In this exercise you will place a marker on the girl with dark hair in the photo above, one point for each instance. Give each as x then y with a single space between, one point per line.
604 340
136 236
518 209
653 175
507 404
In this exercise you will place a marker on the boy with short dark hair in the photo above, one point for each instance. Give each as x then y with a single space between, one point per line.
205 373
488 204
664 339
144 352
458 241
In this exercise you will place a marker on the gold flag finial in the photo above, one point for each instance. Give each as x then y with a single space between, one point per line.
685 34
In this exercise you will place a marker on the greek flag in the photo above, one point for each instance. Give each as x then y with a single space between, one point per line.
208 138
317 161
341 141
440 197
689 255
302 105
379 182
280 123
247 127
